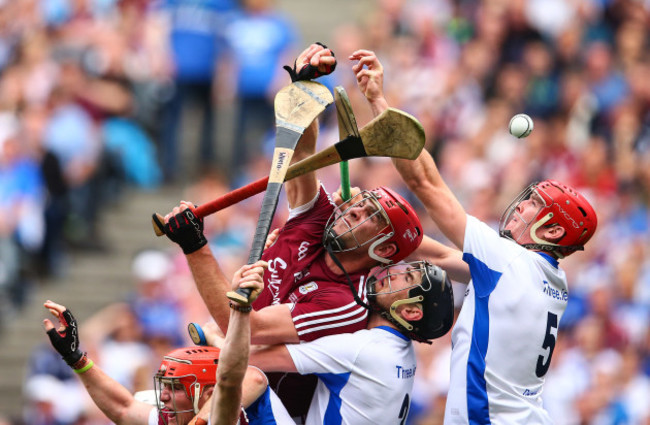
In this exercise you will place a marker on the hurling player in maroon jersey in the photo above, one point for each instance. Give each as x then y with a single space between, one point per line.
314 284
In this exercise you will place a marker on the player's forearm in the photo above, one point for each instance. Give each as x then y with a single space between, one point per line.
302 189
450 259
233 363
272 358
421 173
378 105
115 401
423 178
273 325
233 360
211 283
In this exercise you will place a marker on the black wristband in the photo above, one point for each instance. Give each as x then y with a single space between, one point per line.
241 308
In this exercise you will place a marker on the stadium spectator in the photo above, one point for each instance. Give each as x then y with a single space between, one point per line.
260 40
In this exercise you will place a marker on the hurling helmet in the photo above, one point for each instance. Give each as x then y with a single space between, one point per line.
563 205
193 368
401 224
431 288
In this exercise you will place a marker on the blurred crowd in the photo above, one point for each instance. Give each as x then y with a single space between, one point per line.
92 94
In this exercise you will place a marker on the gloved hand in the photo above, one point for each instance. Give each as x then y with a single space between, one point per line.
186 230
65 339
307 70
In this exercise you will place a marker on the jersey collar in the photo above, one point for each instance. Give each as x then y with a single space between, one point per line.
394 332
550 259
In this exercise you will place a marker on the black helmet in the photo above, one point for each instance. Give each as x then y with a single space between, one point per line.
433 292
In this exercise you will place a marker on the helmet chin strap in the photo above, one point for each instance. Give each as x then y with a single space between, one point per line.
397 320
195 399
347 276
548 246
375 244
332 238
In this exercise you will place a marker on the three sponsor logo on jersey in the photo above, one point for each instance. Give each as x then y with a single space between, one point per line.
555 293
405 372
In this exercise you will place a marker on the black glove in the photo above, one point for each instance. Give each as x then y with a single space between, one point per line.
308 72
186 230
66 342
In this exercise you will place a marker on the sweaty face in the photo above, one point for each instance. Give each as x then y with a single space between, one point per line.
359 221
177 406
523 216
388 283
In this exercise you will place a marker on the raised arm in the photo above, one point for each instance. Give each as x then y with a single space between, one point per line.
233 360
115 401
313 61
446 257
424 180
370 79
421 175
271 324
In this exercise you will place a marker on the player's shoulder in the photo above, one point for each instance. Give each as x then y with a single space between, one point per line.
316 210
485 243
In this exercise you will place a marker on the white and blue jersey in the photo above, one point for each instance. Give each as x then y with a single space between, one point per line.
505 334
267 410
363 378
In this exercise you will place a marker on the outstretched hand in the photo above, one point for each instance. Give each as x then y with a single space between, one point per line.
313 62
65 339
370 77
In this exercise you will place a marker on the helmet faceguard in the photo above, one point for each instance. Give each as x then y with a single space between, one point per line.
559 205
190 368
430 288
396 221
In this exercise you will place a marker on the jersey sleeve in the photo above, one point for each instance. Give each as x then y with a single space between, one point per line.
330 354
487 254
331 311
153 417
314 213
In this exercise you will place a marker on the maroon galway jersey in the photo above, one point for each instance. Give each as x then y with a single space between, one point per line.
322 303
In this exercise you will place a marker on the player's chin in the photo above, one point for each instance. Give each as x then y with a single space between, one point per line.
175 420
172 417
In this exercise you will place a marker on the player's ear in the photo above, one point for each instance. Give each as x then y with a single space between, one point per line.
411 312
386 249
554 233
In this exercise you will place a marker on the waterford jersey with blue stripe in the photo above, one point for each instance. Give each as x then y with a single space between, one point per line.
505 334
363 378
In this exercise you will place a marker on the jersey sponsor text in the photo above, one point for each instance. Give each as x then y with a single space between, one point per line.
405 373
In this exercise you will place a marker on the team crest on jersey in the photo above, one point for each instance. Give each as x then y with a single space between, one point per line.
303 249
307 288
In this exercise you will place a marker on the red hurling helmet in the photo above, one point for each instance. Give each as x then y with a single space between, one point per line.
407 229
563 206
402 225
192 367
